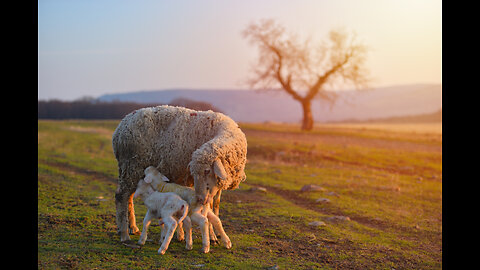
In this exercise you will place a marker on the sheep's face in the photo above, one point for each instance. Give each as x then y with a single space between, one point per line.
206 182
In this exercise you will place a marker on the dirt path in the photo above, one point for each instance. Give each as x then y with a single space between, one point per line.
94 174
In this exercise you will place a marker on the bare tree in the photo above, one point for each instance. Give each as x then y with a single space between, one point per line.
304 71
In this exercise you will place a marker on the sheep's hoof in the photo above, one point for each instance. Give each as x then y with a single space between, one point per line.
161 252
205 249
187 247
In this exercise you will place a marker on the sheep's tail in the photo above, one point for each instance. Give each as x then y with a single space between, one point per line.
185 212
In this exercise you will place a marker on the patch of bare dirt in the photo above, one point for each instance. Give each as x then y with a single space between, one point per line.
94 174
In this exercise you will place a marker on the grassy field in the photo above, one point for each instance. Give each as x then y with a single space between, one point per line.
383 185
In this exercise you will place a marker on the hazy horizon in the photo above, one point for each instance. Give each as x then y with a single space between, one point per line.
104 47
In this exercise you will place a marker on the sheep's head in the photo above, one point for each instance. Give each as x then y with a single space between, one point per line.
207 181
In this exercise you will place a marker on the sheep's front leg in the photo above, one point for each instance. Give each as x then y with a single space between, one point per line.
202 221
215 221
146 223
170 226
188 231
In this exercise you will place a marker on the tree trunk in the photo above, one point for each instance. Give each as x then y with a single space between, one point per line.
307 123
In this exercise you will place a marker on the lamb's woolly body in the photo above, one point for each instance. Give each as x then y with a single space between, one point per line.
173 138
157 201
164 206
186 193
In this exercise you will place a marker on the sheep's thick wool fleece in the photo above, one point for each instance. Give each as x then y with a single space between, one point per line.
175 138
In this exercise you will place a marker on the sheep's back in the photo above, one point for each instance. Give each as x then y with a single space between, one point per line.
164 137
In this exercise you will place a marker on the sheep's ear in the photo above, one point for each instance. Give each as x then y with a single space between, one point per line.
148 178
219 169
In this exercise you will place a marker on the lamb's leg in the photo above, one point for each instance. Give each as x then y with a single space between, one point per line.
170 226
131 217
202 221
215 220
121 204
188 231
146 222
162 231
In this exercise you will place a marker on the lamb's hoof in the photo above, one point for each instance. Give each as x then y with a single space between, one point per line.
187 247
205 249
161 252
228 244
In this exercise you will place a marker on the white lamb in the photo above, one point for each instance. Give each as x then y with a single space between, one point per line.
199 214
166 206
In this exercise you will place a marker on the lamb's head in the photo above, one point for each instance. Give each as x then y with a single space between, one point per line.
153 176
144 188
207 181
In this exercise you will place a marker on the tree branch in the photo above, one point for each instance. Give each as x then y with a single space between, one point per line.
286 84
312 92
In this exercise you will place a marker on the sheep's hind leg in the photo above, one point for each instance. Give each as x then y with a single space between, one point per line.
131 217
121 203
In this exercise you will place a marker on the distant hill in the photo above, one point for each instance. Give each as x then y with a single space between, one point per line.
277 106
435 117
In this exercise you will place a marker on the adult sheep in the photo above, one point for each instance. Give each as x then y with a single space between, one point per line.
203 149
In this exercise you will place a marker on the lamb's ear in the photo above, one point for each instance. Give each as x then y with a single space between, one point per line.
165 179
219 170
148 179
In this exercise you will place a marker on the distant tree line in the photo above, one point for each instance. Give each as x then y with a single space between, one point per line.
87 108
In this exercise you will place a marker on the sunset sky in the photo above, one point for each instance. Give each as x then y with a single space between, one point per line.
90 48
